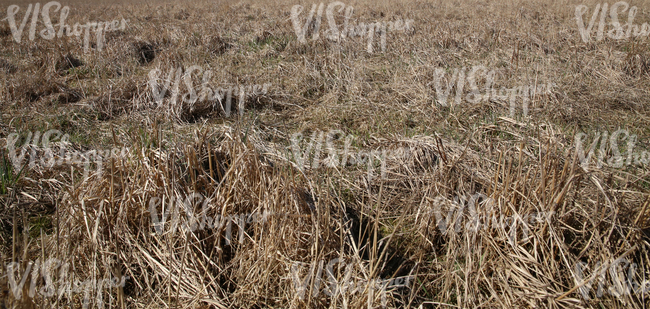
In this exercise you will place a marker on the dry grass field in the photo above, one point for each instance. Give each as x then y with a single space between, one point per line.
436 166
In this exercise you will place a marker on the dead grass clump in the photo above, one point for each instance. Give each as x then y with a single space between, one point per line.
67 62
416 155
7 66
460 227
232 258
115 101
38 89
5 30
637 60
637 65
227 263
113 36
264 38
228 102
218 46
69 95
182 15
258 101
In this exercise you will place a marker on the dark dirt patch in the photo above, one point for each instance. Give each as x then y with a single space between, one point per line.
145 52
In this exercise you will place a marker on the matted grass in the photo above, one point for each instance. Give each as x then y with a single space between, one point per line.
382 226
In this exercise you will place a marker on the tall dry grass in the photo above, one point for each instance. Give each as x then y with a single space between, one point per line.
384 227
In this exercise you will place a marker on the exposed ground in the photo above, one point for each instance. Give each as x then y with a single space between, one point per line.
382 226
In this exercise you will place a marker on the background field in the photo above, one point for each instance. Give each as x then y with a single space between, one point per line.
383 226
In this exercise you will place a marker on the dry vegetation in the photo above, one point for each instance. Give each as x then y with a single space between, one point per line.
383 226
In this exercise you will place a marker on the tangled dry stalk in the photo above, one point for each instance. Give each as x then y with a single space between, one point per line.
382 226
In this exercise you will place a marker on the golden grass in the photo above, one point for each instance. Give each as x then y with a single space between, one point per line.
384 227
